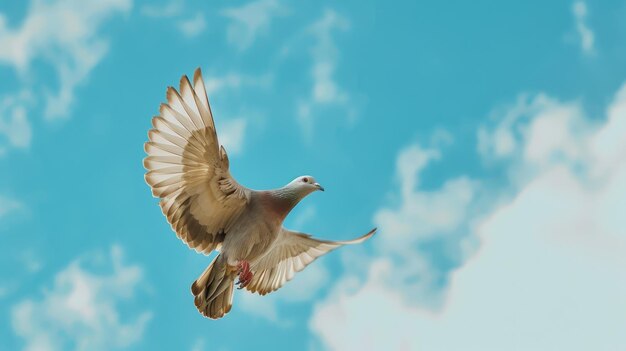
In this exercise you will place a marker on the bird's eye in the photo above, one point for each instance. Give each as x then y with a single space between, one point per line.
305 179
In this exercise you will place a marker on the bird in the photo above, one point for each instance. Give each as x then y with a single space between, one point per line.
188 171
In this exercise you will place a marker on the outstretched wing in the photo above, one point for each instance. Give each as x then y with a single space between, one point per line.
189 171
291 253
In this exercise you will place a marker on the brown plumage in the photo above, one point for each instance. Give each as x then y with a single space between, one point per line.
208 210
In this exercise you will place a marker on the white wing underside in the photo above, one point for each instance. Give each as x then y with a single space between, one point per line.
189 171
291 253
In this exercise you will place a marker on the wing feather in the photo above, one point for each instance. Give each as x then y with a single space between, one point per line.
291 253
189 171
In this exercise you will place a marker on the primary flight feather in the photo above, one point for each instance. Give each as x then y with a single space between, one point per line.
206 207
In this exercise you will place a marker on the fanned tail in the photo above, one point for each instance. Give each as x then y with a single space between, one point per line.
213 290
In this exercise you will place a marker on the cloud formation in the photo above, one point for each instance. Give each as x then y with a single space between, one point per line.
235 81
190 24
250 21
66 34
425 228
232 135
193 26
81 310
549 270
579 9
168 10
325 91
14 124
233 130
8 205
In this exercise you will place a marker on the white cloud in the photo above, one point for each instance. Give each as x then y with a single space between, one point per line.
366 317
190 24
198 345
235 81
549 273
14 124
66 35
418 217
535 132
232 135
4 291
437 212
32 264
170 9
31 261
325 54
232 131
579 9
324 91
251 20
8 205
80 311
193 26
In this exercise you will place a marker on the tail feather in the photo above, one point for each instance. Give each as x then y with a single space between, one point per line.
213 290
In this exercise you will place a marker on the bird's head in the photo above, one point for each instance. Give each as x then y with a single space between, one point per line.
305 185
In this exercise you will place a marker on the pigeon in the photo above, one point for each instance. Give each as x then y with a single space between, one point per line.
188 170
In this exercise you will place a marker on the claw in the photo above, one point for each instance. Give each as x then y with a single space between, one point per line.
245 275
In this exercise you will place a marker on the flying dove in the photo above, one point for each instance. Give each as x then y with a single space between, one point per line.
188 171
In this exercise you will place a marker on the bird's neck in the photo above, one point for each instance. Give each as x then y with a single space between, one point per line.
282 201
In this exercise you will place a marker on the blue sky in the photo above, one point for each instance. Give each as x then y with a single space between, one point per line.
484 140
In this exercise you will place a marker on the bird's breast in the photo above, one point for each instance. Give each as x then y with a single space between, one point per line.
251 237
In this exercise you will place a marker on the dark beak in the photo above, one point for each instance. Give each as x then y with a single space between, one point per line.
319 187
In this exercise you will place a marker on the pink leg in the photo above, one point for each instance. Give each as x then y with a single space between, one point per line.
245 275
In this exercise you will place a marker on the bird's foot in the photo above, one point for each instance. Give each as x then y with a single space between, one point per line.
245 275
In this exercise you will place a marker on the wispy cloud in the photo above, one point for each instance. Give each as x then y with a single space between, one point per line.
416 218
251 20
14 123
190 24
232 135
8 205
234 81
198 345
31 261
233 130
325 56
169 9
580 12
4 291
552 240
80 311
64 34
67 36
325 91
193 26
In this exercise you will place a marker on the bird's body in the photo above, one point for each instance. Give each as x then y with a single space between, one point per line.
256 230
209 210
